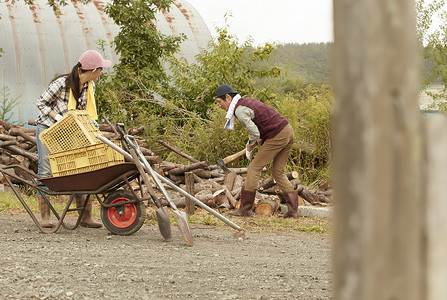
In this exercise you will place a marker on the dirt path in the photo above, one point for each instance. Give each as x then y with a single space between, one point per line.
92 264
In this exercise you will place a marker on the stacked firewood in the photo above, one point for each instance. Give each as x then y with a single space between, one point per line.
207 182
18 146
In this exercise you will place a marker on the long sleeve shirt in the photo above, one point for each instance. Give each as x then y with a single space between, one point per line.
56 97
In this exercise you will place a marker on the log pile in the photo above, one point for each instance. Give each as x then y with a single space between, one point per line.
18 146
207 182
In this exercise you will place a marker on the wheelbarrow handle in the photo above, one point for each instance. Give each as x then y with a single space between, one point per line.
172 185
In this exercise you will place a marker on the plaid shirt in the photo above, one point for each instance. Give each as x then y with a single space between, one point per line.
56 98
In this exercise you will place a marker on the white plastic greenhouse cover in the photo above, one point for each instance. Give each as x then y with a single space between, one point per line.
37 44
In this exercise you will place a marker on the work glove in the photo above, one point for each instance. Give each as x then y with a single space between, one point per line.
96 124
248 154
58 117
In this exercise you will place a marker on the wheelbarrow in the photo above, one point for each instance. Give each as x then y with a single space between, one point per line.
123 211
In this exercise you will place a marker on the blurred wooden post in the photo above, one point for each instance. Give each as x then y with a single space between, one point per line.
379 247
436 208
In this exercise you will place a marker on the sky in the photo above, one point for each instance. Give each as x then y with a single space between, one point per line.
281 21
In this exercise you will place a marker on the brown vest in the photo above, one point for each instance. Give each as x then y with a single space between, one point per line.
268 120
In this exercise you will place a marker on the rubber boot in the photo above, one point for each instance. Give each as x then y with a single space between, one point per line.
247 203
44 212
87 220
292 204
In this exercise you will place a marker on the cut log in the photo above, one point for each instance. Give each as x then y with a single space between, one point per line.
177 179
236 193
147 152
20 151
310 196
6 125
229 179
198 187
166 166
270 182
218 180
187 168
220 200
197 179
216 174
153 159
208 199
292 175
25 146
239 181
266 208
274 190
201 173
266 184
16 131
7 143
7 137
239 170
111 135
230 196
189 183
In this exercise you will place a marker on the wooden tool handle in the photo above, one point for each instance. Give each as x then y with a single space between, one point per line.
233 156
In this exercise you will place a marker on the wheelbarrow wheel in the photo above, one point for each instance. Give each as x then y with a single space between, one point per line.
125 219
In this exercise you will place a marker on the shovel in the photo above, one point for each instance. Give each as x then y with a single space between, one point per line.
164 224
180 217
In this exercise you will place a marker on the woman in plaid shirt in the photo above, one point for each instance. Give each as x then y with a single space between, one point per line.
74 90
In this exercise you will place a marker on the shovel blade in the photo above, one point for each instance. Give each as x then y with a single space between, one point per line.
164 225
183 226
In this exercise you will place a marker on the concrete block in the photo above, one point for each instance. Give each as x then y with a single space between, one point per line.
310 211
315 211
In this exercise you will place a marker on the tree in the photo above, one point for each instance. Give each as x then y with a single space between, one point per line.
224 61
433 37
142 49
140 45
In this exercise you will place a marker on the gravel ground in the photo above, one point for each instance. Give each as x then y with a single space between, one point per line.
93 264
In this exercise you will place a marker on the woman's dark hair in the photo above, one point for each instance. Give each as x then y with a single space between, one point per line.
72 80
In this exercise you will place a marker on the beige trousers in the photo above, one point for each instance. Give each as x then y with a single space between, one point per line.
277 150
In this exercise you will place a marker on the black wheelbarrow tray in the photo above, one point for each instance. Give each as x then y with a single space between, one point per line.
122 209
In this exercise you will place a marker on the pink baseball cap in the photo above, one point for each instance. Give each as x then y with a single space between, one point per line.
92 59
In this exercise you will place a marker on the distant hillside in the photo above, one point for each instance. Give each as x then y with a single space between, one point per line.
310 62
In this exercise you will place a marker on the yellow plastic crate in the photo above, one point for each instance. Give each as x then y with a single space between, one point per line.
84 159
73 131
